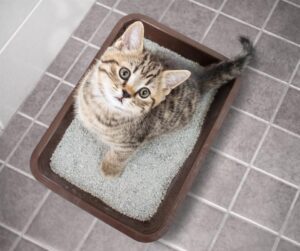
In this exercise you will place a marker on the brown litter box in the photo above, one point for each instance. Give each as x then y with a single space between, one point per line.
153 229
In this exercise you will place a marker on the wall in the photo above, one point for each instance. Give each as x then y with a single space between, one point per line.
32 33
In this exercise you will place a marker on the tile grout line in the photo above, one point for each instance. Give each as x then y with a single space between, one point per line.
295 87
171 245
122 13
281 38
266 121
265 22
207 202
288 183
223 209
17 232
254 168
103 5
259 29
291 240
213 21
258 225
213 149
166 10
248 167
41 244
20 26
253 116
32 217
86 235
285 130
5 162
284 225
59 79
85 42
32 119
20 171
203 5
292 3
89 41
267 75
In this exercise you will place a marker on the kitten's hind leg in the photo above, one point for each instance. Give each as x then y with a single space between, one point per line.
114 162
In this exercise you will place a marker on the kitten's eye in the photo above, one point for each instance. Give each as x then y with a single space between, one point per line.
144 92
124 73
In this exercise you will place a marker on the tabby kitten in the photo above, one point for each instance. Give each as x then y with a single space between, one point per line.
129 96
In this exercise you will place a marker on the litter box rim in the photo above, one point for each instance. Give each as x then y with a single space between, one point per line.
190 168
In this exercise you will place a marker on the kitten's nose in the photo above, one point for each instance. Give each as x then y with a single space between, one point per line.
125 94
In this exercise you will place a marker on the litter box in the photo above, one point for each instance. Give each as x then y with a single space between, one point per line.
157 225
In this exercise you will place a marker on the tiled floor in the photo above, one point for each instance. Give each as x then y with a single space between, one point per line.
247 195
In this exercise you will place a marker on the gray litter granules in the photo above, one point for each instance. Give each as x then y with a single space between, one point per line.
148 174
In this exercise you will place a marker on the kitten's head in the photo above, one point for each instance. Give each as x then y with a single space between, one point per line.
130 79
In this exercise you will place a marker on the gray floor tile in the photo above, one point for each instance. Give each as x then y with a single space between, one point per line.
153 8
293 227
259 94
276 57
211 3
106 28
55 104
7 239
21 157
156 246
218 179
285 22
19 197
238 235
264 200
195 226
60 224
91 22
224 36
39 95
12 134
109 3
296 79
182 14
65 58
287 246
251 11
107 238
25 245
239 135
288 115
279 155
81 65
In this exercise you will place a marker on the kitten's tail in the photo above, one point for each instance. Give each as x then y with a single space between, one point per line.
219 74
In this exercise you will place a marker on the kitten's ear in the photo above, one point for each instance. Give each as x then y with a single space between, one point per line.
132 39
173 78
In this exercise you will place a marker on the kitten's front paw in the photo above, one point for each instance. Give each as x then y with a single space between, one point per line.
110 170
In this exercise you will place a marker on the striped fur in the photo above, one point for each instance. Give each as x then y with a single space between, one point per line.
126 122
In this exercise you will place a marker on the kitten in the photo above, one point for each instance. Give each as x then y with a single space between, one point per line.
129 96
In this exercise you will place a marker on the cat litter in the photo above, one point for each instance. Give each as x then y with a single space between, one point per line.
138 192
